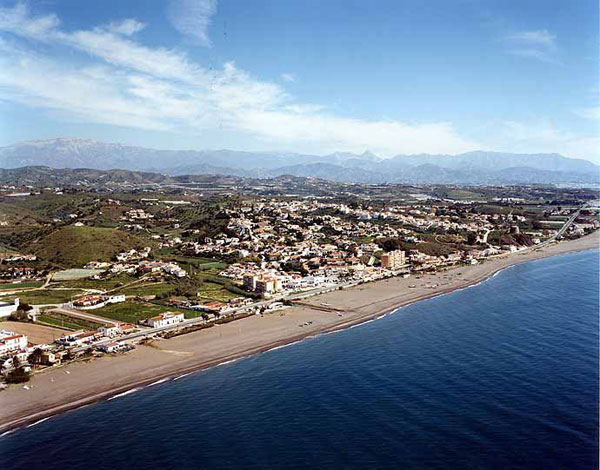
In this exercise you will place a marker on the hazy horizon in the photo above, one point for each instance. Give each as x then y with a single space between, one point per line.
275 151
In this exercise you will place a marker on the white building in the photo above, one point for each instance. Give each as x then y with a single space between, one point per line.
12 342
168 318
110 329
8 308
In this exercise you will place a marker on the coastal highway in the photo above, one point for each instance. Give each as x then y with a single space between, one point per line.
561 231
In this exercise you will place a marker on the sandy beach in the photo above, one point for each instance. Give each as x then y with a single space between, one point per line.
74 385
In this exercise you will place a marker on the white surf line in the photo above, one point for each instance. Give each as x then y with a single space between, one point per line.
38 422
166 379
118 395
182 376
230 361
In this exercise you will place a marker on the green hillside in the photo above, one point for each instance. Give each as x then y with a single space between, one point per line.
75 246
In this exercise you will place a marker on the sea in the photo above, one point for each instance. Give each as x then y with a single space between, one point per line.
502 375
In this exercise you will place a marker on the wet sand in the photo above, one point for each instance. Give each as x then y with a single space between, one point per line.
77 384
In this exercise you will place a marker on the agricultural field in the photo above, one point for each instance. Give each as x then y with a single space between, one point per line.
61 320
20 285
131 312
48 296
212 291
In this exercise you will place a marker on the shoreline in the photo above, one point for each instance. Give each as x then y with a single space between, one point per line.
103 379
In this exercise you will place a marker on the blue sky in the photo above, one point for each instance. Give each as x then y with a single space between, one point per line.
399 76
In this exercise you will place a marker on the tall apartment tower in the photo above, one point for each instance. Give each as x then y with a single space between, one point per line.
393 259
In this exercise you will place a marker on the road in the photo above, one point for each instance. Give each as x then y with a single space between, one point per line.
561 231
147 332
297 297
82 315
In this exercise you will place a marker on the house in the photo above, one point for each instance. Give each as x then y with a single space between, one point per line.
12 342
89 302
165 319
127 328
110 329
77 338
111 347
213 307
48 358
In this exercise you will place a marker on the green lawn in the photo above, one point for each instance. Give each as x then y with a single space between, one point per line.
131 311
64 321
147 288
213 291
104 284
21 285
48 296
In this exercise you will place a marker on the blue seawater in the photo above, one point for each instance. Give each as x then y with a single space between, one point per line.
503 375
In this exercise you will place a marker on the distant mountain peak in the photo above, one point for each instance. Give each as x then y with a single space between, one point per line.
477 167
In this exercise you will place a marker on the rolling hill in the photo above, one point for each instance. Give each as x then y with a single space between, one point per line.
74 246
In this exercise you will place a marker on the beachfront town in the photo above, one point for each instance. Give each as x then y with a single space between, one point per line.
256 256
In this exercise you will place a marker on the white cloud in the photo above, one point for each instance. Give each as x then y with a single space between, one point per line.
127 27
126 83
192 18
17 20
288 77
536 44
544 136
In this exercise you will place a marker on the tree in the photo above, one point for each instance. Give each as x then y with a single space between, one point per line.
36 356
391 244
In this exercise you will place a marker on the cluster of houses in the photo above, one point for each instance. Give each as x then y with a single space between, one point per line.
17 352
14 352
90 302
212 308
136 262
83 337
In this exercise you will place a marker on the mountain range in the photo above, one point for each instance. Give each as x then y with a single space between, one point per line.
479 167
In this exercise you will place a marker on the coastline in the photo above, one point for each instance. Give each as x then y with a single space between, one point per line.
80 384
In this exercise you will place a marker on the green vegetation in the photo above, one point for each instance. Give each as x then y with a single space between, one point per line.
48 296
74 246
213 291
131 312
504 238
103 284
147 288
22 285
65 321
